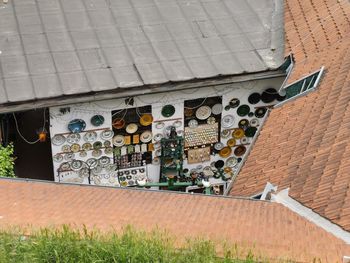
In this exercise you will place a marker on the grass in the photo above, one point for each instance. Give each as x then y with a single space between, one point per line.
67 245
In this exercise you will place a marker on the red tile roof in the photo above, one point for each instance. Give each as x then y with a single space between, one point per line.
269 228
305 144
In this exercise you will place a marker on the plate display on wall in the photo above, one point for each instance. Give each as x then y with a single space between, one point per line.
217 109
76 125
188 112
254 98
69 156
97 120
250 131
243 110
92 163
231 162
234 103
168 111
131 128
238 133
158 137
118 124
84 172
211 120
243 123
160 125
75 148
244 140
76 165
269 95
146 119
254 122
86 146
90 136
73 138
107 144
97 145
65 148
193 123
146 136
64 167
107 134
231 142
58 139
83 154
109 150
225 152
57 158
240 150
218 146
260 112
118 140
103 161
203 112
177 124
227 121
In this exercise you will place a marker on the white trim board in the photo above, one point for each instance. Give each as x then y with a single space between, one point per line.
283 198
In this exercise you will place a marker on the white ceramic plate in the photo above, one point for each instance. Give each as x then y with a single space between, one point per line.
203 112
217 109
146 136
73 138
118 140
107 134
58 139
227 121
90 136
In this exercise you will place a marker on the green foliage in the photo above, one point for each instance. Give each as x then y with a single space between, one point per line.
82 246
7 161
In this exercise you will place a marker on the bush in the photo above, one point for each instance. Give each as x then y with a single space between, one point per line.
7 161
68 245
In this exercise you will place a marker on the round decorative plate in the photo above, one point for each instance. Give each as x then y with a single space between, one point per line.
254 123
231 162
168 111
243 110
96 153
238 133
177 124
160 125
65 148
104 161
92 163
57 158
211 120
231 142
227 121
96 170
76 125
203 112
118 124
73 138
234 103
180 133
225 152
108 150
219 164
118 140
64 167
188 112
260 112
107 134
146 136
86 146
131 128
158 152
240 150
269 95
244 140
97 120
146 119
97 145
243 123
90 136
218 146
76 165
156 161
217 109
193 123
75 148
157 145
250 131
107 144
84 172
83 154
158 137
225 134
254 98
58 139
69 156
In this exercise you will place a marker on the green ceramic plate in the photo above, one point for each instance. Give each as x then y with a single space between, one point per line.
168 110
243 110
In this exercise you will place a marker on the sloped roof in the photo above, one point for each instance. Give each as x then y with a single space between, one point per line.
52 48
305 144
267 228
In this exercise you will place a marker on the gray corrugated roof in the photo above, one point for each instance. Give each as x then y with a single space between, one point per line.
51 48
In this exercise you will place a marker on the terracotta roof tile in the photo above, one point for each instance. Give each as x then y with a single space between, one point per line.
304 144
270 228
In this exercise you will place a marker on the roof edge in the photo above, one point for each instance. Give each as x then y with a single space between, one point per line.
283 198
